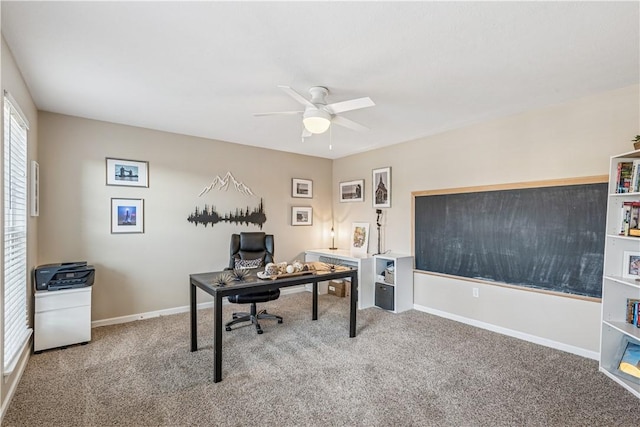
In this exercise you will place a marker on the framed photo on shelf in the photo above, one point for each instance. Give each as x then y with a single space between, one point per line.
302 188
301 215
129 173
382 187
631 265
127 216
359 237
352 191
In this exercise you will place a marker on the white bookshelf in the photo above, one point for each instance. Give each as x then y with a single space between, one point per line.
616 289
394 295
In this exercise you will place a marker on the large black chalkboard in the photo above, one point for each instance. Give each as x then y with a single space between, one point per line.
549 238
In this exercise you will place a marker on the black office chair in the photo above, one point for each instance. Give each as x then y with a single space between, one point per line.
249 250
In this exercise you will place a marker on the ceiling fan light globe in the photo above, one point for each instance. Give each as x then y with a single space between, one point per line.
317 121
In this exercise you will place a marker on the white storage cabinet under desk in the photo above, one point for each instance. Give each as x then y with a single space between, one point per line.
364 264
62 318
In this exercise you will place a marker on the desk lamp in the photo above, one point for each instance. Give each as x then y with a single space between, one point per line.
333 240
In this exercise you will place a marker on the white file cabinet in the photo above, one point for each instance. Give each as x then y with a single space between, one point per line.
62 318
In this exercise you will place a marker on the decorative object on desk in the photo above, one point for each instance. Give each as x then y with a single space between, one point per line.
629 365
379 225
333 240
636 142
35 188
631 265
301 215
271 269
241 273
130 173
359 237
223 279
297 265
382 187
223 184
208 215
127 216
302 188
352 191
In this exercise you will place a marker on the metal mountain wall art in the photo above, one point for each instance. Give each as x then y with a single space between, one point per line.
209 215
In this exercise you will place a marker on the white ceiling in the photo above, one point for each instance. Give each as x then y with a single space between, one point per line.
202 68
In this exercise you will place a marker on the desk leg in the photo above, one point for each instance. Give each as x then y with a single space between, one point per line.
194 317
354 306
217 338
314 305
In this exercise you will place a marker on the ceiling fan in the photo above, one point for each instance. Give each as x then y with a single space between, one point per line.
318 115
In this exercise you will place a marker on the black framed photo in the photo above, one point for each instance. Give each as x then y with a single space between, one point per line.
301 215
352 191
302 188
382 188
127 216
129 173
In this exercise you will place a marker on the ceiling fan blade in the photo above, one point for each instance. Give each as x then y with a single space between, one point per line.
306 133
295 95
354 104
276 113
339 120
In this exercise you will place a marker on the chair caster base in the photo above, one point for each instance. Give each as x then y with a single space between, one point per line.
228 328
260 331
280 321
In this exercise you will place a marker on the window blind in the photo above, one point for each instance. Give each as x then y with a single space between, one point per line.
16 321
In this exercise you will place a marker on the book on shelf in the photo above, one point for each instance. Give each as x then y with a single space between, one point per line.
634 187
625 170
632 307
629 364
630 219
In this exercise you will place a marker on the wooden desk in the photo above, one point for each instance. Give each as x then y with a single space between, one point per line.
251 284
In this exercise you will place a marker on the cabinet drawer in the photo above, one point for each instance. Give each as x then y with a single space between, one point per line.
57 300
385 296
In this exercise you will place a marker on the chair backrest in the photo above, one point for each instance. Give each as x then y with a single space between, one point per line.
253 249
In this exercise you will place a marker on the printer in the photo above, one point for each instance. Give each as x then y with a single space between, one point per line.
67 275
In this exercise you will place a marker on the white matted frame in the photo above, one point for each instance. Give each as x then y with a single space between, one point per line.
359 237
381 195
35 188
631 265
302 188
352 191
127 216
301 215
129 173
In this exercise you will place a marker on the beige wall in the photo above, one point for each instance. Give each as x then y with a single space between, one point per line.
569 140
13 82
140 273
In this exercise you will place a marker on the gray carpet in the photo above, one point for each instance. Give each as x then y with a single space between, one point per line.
402 369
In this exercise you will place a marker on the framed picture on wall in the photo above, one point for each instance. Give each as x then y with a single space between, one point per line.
382 188
352 191
302 188
301 215
631 265
130 173
359 237
127 216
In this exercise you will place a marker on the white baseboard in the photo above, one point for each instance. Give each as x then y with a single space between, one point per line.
175 310
509 332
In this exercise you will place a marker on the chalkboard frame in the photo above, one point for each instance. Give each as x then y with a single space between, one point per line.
597 179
